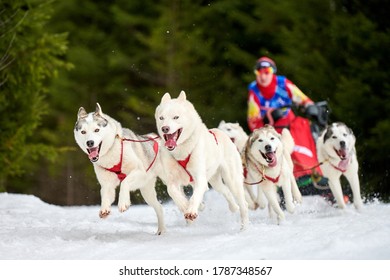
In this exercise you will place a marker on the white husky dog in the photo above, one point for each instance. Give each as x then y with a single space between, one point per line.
235 132
119 156
239 137
336 151
267 160
201 156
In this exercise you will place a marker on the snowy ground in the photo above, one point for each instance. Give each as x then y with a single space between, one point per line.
33 230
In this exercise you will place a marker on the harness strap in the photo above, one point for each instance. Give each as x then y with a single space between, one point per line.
312 168
183 164
215 137
185 161
155 149
117 169
263 177
246 174
273 180
319 164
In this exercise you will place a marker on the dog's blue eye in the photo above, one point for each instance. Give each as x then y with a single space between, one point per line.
97 130
175 117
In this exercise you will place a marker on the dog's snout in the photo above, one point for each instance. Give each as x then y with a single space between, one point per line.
268 148
342 144
90 143
165 129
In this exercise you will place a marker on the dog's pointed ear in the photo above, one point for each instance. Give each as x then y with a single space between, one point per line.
165 98
328 133
98 110
349 130
82 113
182 95
221 123
252 139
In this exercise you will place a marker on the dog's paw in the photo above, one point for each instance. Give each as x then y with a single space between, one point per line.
298 200
160 231
253 205
104 213
190 216
358 206
290 208
281 218
123 206
244 226
123 202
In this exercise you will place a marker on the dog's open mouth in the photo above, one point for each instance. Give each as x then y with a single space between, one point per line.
233 140
342 153
171 139
93 153
270 158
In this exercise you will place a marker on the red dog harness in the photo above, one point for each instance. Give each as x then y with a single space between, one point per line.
185 161
117 169
263 177
183 164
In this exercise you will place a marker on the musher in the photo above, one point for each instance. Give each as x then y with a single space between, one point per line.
270 99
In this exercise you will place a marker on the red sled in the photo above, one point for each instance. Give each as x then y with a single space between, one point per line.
304 155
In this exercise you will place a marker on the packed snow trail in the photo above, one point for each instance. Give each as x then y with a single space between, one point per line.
33 230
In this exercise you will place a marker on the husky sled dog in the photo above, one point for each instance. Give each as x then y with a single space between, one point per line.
267 162
336 151
239 137
119 156
235 132
201 156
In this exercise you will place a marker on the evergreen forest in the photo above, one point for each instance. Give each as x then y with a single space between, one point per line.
57 55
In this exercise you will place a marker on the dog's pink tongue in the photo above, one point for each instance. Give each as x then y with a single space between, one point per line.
343 164
272 159
93 153
170 144
342 153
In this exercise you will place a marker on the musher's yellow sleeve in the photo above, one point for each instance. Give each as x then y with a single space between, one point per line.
297 96
253 108
254 118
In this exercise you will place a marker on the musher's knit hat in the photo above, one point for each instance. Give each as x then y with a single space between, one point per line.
265 62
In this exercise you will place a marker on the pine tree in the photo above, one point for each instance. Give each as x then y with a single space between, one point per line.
28 57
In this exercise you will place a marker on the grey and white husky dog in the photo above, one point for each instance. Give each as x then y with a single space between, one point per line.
120 157
336 151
